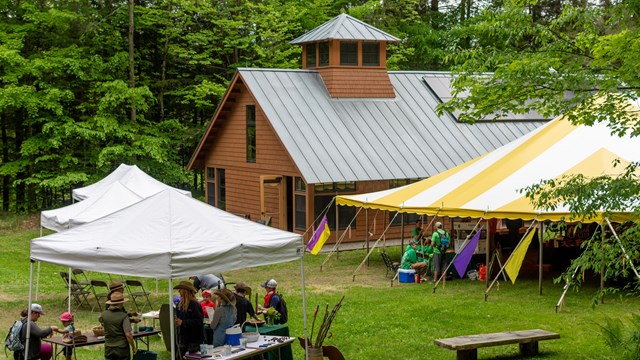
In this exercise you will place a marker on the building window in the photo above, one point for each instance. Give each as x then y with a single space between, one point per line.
211 186
349 53
311 55
222 190
409 219
323 50
251 133
345 213
300 189
337 187
371 54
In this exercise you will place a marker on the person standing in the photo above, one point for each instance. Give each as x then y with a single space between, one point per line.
117 330
116 286
438 250
271 300
243 305
224 316
416 232
189 319
37 350
206 303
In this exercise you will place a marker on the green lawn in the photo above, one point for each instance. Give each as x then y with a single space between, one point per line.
376 320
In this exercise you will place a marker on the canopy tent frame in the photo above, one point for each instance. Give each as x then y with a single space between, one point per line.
486 293
464 244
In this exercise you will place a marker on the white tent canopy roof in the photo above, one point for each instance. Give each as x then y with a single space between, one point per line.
168 235
130 176
490 186
115 197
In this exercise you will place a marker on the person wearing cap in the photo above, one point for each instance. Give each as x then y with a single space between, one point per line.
206 302
118 339
438 255
67 321
272 298
206 282
37 350
224 316
243 305
189 319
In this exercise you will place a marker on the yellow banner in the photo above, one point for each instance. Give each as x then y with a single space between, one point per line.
512 268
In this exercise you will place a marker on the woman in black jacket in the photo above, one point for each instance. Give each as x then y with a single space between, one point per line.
37 350
189 318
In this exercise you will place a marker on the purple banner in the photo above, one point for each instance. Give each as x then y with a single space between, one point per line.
464 256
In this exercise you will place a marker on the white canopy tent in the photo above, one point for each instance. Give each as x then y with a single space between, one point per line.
130 176
169 235
115 197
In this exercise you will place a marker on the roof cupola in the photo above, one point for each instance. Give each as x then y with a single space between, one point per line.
351 57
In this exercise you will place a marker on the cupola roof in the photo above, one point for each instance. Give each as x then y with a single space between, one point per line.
344 27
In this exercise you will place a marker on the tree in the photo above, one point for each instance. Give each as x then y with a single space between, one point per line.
580 61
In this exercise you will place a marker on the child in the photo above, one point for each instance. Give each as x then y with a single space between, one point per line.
206 302
68 330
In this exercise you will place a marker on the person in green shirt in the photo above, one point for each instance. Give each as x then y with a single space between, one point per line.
438 255
410 261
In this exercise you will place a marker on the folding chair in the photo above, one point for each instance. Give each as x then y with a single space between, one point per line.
78 293
136 294
84 282
99 295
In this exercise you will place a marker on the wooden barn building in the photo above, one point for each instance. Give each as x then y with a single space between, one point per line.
283 142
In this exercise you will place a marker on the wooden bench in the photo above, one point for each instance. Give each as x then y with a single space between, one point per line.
467 346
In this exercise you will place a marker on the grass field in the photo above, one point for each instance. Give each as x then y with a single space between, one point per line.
376 320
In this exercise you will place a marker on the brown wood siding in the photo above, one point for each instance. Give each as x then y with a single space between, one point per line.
357 82
228 151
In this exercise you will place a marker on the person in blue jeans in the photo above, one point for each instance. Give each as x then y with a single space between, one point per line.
224 316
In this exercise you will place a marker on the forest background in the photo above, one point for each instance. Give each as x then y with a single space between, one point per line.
86 85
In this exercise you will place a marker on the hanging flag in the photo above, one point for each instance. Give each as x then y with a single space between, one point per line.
464 256
319 237
512 267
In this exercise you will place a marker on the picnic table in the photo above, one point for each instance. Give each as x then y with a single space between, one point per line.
94 340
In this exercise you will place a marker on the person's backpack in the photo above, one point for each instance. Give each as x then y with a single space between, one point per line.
282 309
12 341
444 241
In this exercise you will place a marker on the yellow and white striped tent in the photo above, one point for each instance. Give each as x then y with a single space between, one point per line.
489 186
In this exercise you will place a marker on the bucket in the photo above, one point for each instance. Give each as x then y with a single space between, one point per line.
416 278
315 353
232 335
406 275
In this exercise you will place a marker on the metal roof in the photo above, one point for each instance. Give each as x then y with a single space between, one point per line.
344 27
440 84
332 140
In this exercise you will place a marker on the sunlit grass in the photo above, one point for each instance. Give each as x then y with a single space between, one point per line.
376 320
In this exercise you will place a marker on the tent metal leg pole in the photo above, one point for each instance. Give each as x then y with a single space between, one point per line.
464 244
622 247
172 322
540 233
28 335
486 293
69 288
304 306
366 231
374 246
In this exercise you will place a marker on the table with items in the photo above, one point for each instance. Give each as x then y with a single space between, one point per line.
266 344
94 340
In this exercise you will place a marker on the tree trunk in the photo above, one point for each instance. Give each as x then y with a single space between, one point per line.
132 79
5 159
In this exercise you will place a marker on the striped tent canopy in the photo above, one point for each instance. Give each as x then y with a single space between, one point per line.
490 186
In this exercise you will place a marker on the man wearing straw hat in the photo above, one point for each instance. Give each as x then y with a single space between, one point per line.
116 286
117 330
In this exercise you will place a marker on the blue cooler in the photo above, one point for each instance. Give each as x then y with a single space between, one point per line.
232 335
406 275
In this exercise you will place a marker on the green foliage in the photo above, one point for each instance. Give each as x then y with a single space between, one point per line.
623 340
